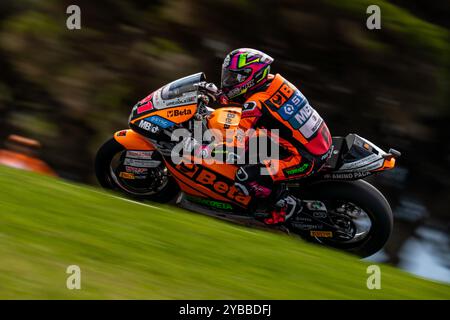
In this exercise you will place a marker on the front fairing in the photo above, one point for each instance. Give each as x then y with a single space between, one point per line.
179 93
170 105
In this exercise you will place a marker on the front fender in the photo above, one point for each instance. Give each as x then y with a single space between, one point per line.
132 140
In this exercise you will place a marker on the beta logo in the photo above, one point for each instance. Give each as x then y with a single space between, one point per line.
178 113
214 182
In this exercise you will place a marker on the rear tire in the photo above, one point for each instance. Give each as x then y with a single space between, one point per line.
103 160
366 197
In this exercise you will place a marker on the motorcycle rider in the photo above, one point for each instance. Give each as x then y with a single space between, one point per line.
271 102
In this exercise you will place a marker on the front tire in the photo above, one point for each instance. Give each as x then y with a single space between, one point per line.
366 197
103 161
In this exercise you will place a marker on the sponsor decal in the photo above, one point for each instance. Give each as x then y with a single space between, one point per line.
316 205
301 116
281 96
177 113
126 175
287 89
212 203
311 126
241 174
276 101
136 170
292 106
141 163
144 105
159 121
319 214
242 89
122 133
328 153
160 103
229 120
321 234
139 154
147 126
350 175
303 219
248 106
296 170
250 110
180 101
307 226
214 182
144 108
288 110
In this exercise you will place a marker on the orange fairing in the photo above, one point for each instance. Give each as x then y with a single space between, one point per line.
223 119
177 115
387 165
212 181
132 140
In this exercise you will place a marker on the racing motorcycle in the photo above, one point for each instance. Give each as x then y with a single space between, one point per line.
340 209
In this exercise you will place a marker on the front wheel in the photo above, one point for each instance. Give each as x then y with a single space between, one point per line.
142 179
359 211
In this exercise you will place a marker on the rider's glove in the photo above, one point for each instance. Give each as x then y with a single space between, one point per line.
209 89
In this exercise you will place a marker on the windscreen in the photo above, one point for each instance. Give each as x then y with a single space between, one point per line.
183 85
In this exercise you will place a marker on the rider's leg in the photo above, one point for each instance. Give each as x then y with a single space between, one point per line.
298 165
271 202
265 182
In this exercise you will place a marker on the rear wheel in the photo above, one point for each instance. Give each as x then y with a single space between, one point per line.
154 183
358 210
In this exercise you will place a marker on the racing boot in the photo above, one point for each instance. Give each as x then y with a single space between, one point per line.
283 209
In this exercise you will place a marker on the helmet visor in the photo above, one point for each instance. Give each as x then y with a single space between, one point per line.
231 78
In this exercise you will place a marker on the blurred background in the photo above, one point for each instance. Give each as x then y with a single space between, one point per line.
63 92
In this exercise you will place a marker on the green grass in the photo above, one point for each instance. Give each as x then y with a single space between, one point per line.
130 251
